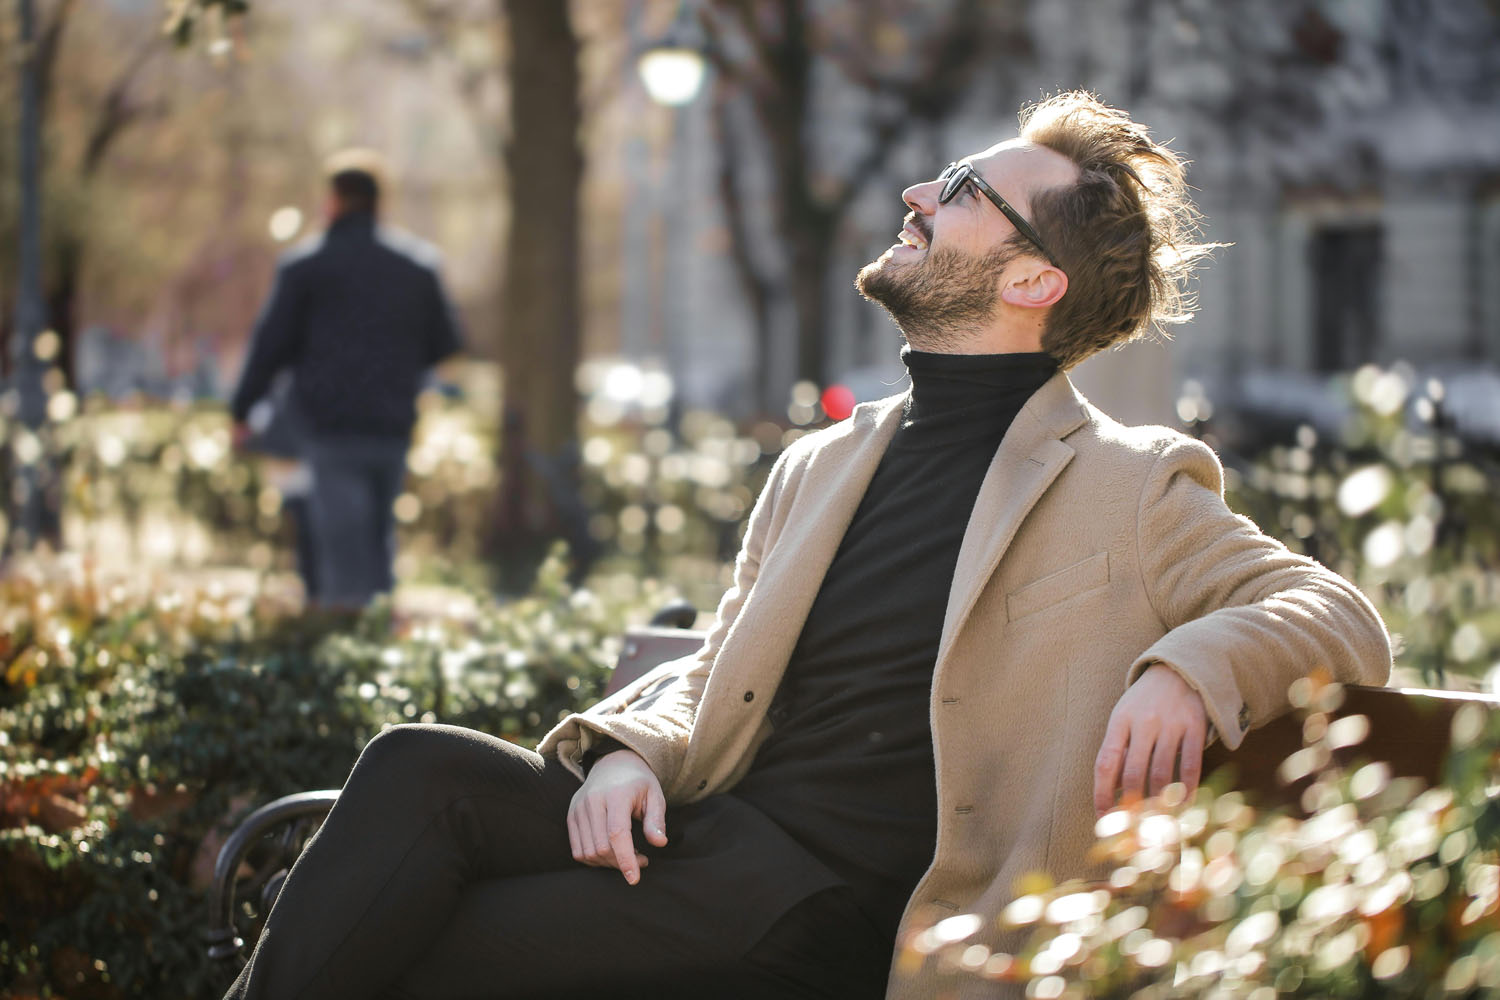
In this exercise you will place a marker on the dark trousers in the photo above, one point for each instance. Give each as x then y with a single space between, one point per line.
295 508
355 482
444 872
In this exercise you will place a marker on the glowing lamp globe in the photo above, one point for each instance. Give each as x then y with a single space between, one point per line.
672 74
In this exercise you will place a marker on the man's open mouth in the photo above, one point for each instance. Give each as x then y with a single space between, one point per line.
910 237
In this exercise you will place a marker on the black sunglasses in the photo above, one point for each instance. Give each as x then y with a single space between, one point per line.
955 175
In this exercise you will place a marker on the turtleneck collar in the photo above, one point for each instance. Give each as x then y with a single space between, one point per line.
960 397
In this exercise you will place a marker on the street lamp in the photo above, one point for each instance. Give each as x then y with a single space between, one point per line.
672 67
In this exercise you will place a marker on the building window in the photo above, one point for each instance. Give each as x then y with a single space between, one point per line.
1346 264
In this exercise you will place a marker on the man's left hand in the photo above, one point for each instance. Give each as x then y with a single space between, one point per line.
1157 720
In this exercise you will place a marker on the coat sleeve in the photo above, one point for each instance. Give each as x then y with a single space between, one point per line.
444 338
274 344
1245 616
654 716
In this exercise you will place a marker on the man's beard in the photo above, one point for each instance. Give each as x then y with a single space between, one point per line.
940 301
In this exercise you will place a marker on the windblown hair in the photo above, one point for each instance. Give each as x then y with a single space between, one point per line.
1125 234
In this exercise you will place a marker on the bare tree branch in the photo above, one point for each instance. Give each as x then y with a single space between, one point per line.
118 111
442 22
48 42
938 83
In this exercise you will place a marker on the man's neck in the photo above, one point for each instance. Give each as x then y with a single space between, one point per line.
352 220
996 339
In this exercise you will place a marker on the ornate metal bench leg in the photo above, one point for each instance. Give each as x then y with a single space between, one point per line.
268 842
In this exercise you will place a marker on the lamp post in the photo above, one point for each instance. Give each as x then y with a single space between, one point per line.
672 69
27 393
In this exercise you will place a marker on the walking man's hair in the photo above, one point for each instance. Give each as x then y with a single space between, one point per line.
1125 233
356 177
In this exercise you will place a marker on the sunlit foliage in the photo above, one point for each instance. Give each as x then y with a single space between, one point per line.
1400 504
138 718
1385 889
153 483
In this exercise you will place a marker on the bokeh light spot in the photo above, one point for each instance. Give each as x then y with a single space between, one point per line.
838 402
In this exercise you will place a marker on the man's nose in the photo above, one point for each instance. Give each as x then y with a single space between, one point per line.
922 198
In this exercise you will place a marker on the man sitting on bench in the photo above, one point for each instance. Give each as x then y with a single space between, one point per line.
963 623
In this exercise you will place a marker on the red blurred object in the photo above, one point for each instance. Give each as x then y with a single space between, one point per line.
838 401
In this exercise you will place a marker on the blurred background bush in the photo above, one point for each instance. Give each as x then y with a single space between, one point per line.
138 722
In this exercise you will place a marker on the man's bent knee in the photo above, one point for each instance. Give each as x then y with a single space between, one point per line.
425 758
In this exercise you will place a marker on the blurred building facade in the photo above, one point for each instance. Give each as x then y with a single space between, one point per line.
1349 150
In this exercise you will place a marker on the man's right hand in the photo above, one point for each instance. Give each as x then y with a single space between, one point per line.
621 787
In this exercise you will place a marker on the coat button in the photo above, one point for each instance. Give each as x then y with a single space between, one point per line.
749 695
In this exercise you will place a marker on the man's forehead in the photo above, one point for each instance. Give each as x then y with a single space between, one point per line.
1017 163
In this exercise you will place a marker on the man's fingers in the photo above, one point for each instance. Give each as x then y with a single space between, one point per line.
1137 761
1191 771
598 829
655 820
624 852
574 842
1107 769
585 831
1164 760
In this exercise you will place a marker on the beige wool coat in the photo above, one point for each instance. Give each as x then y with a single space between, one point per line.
1093 550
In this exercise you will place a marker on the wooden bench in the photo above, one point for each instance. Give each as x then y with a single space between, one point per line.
1409 730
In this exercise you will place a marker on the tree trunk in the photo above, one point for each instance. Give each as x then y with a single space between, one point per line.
540 333
62 304
812 253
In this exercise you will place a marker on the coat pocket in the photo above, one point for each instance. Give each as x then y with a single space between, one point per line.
1058 587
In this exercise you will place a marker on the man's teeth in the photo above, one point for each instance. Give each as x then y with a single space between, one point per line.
912 241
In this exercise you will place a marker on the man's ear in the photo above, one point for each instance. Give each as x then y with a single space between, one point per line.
1034 287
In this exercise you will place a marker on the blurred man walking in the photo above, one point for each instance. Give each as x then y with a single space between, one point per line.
359 315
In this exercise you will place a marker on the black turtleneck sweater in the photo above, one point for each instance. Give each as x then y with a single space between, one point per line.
848 770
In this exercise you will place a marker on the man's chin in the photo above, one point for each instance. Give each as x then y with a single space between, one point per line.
875 277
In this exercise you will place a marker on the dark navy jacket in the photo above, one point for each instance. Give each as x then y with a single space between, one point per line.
359 316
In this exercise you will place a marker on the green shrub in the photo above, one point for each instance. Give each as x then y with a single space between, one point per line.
132 725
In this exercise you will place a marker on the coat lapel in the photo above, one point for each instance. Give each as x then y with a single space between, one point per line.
1029 458
821 507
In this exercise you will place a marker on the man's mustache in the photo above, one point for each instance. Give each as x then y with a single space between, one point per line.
921 224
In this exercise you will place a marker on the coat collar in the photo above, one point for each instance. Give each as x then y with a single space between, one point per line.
1029 458
829 491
